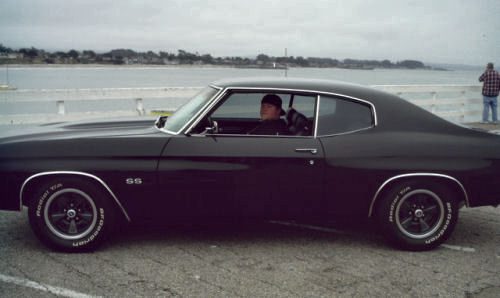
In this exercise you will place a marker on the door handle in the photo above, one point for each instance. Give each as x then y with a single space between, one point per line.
310 150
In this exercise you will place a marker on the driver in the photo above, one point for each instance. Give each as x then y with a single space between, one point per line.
270 121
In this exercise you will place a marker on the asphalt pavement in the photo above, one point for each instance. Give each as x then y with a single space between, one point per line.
263 259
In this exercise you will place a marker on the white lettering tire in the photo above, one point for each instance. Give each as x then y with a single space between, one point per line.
70 214
417 215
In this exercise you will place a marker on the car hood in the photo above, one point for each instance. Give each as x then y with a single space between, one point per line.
84 138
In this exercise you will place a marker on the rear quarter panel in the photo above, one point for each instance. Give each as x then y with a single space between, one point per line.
358 164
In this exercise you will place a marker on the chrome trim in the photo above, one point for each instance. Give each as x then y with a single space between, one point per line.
307 150
347 132
219 95
316 115
72 173
280 136
59 233
249 136
436 226
375 197
215 97
374 116
203 111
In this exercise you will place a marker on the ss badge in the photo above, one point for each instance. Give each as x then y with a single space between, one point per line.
133 181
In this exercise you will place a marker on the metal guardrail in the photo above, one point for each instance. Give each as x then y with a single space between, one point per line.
458 103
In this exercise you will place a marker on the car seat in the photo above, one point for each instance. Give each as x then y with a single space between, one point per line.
297 123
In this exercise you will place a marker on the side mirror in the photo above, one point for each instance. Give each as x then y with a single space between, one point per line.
212 130
160 122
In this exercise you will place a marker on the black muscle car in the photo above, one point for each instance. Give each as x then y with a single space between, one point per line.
349 151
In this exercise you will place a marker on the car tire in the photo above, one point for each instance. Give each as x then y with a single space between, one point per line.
417 215
70 214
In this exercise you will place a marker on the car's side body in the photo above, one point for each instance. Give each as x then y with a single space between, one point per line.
190 172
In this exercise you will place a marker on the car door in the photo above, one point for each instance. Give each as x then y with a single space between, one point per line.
284 177
225 172
196 176
239 175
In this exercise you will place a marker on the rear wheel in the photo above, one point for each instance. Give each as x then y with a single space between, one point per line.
417 215
70 214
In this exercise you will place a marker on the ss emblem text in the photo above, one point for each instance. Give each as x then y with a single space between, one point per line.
133 181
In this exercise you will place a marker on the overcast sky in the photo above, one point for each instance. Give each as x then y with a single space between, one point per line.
438 31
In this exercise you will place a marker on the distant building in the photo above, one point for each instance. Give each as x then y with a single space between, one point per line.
11 56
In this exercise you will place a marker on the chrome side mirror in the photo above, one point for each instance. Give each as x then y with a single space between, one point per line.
213 129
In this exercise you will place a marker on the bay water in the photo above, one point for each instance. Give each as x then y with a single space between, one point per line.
74 77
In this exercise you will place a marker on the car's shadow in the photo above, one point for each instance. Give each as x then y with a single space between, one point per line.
261 231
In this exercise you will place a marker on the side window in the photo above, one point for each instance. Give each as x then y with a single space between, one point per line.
240 105
246 105
241 113
339 116
304 104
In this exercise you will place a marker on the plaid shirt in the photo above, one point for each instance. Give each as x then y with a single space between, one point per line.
491 86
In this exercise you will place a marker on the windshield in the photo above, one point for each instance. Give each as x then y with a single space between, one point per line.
185 113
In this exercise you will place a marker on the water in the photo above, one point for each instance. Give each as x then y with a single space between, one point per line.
64 77
116 77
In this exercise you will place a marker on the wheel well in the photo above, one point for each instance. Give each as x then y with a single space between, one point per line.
33 182
30 187
452 184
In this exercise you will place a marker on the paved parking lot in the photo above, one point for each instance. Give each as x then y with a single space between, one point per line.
268 259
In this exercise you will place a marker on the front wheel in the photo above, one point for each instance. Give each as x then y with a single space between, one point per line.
417 215
70 214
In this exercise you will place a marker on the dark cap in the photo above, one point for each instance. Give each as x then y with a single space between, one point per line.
489 65
275 100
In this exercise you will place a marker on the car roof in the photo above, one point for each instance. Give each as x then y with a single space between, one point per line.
392 111
365 93
290 83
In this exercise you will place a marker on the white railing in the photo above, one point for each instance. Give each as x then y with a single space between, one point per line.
172 98
458 103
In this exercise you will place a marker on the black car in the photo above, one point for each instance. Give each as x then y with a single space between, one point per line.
349 151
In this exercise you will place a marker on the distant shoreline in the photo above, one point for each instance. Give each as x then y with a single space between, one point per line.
96 65
188 66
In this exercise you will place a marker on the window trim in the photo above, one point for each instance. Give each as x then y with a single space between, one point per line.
225 90
215 97
372 110
316 115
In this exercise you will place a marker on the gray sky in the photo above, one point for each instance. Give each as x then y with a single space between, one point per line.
439 31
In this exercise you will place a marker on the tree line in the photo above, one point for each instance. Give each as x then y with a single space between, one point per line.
182 57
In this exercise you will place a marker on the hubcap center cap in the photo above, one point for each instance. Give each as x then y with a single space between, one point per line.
71 213
419 213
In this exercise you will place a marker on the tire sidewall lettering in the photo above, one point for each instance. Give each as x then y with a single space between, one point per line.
395 201
102 216
41 200
442 231
95 233
446 226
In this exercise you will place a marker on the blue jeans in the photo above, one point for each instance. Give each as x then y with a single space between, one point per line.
487 103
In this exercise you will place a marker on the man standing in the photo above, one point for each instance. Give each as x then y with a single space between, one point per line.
491 88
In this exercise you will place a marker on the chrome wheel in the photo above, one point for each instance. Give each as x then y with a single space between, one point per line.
70 214
419 213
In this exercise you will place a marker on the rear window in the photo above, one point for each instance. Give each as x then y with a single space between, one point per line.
340 116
